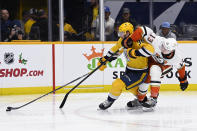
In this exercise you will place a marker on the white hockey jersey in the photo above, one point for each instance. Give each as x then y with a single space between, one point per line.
156 41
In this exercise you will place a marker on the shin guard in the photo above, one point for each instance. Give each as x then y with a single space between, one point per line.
142 91
155 91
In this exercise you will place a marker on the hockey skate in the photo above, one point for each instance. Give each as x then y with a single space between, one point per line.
150 104
134 104
106 104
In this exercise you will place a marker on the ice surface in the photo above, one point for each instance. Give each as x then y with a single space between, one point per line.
175 111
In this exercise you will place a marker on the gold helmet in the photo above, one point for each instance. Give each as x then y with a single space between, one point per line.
124 27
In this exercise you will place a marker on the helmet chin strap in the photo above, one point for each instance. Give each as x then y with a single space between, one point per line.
127 34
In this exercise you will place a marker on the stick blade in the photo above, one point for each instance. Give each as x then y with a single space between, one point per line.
64 101
9 108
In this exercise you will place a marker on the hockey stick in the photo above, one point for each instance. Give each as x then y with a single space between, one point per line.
15 108
65 97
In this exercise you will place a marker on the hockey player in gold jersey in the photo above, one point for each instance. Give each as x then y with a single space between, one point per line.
137 67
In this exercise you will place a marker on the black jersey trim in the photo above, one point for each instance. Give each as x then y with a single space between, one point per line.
145 33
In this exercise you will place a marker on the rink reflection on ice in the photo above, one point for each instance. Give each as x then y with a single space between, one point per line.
176 111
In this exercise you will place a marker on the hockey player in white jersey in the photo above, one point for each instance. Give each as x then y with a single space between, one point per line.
165 57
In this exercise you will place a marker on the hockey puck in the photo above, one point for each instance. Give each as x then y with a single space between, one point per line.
8 109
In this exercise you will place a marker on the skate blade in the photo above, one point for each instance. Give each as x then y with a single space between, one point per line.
101 110
133 108
145 109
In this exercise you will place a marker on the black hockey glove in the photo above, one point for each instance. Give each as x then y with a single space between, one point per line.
183 83
127 42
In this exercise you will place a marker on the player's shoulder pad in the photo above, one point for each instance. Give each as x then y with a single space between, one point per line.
146 30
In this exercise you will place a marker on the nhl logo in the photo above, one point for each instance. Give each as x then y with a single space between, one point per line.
9 58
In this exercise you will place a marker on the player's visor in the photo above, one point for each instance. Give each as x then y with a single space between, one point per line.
121 34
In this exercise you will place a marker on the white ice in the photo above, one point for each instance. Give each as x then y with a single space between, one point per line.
175 111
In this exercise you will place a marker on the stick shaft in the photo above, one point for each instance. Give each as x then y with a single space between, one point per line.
65 97
14 108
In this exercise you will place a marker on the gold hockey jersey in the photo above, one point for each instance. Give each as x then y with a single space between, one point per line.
138 63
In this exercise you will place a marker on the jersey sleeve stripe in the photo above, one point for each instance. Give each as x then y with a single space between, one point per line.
143 52
146 51
145 32
109 53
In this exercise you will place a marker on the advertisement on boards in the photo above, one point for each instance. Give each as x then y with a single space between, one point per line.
25 66
84 58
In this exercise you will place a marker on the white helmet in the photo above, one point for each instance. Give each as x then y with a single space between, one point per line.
170 44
